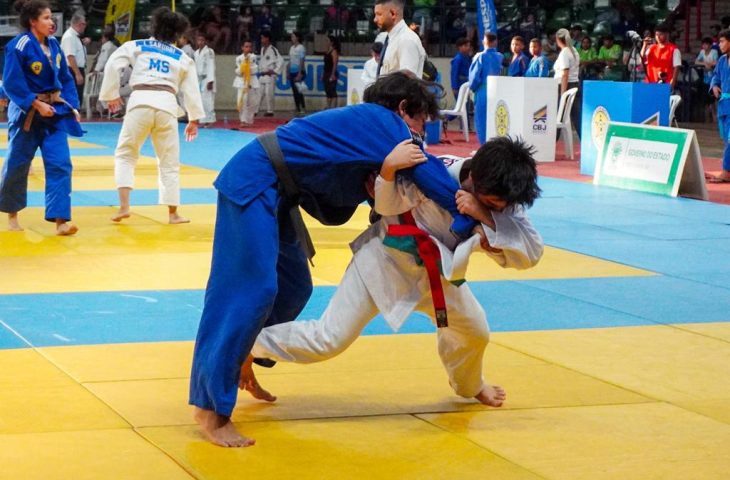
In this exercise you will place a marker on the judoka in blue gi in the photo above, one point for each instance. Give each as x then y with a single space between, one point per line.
720 87
259 274
42 113
485 63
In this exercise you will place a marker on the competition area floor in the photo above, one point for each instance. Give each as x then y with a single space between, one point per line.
614 351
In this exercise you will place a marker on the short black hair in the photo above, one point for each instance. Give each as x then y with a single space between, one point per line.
663 27
707 40
398 3
390 90
377 47
461 42
505 167
30 10
168 26
491 37
724 34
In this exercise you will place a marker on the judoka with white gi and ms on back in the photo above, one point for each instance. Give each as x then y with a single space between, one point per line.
395 268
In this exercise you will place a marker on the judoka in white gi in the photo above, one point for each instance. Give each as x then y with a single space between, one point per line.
270 64
205 65
246 82
387 273
159 71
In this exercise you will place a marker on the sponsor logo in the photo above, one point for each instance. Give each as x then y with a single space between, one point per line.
36 67
599 124
539 121
501 116
58 60
617 150
121 24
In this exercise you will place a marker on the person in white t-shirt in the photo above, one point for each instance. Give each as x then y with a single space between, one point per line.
370 69
159 71
402 49
567 71
297 73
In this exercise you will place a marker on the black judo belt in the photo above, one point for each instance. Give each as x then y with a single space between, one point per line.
289 191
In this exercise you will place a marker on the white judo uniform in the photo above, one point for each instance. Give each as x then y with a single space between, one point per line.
270 65
246 81
205 65
159 72
392 281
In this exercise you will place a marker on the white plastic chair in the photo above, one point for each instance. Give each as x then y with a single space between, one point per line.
674 101
565 126
459 109
92 87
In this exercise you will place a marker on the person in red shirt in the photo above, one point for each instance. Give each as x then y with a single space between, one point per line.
663 58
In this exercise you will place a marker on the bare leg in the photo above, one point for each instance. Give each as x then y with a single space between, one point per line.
65 228
175 218
492 395
220 430
124 211
248 382
13 223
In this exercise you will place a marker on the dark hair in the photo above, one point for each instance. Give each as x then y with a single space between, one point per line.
518 39
335 42
168 26
505 167
390 90
461 42
398 3
707 40
266 34
377 47
30 10
663 27
491 37
724 34
298 35
536 40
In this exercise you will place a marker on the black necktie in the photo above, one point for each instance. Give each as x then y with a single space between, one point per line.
382 55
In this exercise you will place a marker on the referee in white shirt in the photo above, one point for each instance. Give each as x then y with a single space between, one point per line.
73 47
402 49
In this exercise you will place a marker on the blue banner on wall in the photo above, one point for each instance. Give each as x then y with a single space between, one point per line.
486 19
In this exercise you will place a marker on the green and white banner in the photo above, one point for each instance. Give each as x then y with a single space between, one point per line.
647 158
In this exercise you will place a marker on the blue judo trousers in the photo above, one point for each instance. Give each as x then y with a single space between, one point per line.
259 273
28 72
485 64
721 78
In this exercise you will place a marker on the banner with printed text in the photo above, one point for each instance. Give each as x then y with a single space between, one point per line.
486 19
120 13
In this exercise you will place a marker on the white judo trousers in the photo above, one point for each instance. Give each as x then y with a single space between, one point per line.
139 123
266 98
248 99
460 345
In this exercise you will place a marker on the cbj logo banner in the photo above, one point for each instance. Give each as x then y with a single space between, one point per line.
539 121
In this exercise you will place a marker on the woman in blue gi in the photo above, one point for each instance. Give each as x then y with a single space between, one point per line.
720 88
42 113
259 274
486 63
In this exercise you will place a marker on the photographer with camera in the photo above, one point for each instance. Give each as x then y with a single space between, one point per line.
663 58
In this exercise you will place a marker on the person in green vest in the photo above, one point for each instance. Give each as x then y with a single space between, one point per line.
611 55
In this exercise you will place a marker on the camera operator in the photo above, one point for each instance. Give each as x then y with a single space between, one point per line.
663 58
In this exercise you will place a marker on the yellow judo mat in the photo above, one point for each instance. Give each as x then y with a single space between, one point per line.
644 401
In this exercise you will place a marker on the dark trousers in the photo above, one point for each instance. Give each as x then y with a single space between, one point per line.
298 96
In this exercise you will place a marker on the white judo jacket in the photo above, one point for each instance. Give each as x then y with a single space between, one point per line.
396 294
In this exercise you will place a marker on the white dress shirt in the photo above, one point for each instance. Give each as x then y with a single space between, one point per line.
72 46
404 51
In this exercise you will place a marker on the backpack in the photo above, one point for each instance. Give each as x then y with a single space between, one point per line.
430 72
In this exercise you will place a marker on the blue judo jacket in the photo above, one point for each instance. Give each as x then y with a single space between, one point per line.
330 156
28 72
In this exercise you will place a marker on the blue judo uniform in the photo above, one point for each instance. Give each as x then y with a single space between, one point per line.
28 72
539 66
259 273
518 66
486 63
721 78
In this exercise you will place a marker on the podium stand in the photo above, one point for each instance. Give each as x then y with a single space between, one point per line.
629 102
524 107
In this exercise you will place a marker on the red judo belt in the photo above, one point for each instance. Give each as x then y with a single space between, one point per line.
429 253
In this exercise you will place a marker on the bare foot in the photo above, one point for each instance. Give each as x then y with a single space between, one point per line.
13 223
247 381
121 215
220 430
65 229
492 395
175 219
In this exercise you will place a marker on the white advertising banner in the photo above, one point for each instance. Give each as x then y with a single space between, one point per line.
524 107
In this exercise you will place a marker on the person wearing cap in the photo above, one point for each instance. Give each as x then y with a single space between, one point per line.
663 58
